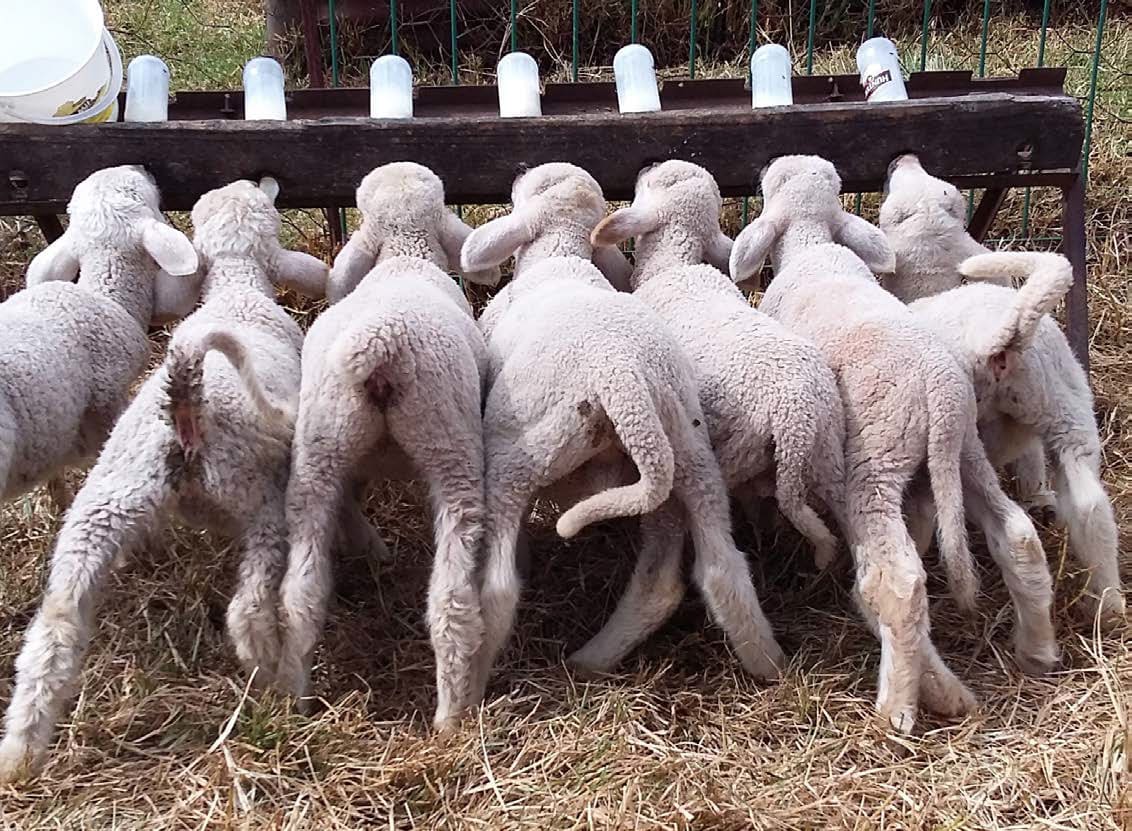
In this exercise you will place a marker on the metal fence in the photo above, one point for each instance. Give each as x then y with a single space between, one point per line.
701 12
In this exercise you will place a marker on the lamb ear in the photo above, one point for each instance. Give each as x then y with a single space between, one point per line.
622 224
57 261
493 242
270 186
299 271
174 297
753 245
612 263
170 249
353 263
454 233
866 241
717 251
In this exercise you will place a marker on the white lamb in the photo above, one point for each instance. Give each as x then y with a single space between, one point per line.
1033 395
907 401
772 406
581 373
207 439
392 388
70 351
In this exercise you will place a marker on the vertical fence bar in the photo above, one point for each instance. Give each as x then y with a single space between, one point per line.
452 36
393 27
573 41
745 214
330 12
514 25
1093 93
810 37
633 21
1041 62
692 43
924 34
868 34
982 74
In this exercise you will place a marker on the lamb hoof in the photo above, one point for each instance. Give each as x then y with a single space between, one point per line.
763 661
17 762
448 722
949 697
1109 611
1037 662
900 719
586 667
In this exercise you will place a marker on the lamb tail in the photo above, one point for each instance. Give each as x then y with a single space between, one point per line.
185 367
632 412
1048 278
376 354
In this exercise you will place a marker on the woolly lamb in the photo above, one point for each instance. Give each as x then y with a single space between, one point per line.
70 351
772 406
581 373
924 220
907 401
1033 395
391 385
207 438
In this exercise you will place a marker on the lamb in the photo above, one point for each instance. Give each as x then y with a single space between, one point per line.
207 438
1033 395
69 352
924 220
907 401
772 406
582 374
391 386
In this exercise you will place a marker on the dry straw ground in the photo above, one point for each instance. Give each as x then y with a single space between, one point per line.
163 736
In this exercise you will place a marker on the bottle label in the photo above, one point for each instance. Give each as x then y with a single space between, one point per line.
875 82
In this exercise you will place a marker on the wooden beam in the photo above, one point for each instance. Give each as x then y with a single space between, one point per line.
49 226
986 140
985 212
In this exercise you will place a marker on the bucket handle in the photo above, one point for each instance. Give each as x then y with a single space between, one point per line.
113 87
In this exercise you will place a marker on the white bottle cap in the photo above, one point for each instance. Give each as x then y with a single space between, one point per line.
635 73
879 66
517 79
770 77
147 89
263 90
390 88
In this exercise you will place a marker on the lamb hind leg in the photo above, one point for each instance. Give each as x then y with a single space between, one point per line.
253 621
314 496
1015 546
1092 532
109 515
720 569
655 590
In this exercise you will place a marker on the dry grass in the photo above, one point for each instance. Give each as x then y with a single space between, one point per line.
163 735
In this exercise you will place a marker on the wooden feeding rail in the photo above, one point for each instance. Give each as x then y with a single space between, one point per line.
994 134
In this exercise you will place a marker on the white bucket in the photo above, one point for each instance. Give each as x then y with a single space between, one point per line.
58 63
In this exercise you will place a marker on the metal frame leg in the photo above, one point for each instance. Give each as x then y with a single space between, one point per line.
983 217
50 225
1073 246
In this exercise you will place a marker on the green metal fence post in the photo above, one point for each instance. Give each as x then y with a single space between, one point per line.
924 34
453 34
810 37
692 42
1041 62
573 41
514 25
1093 92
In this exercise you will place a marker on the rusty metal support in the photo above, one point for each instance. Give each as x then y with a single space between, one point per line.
50 225
312 44
1073 246
983 218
